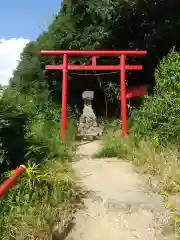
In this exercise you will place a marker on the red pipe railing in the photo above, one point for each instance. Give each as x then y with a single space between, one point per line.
7 184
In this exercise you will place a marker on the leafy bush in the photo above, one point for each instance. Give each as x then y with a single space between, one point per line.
159 117
35 127
12 139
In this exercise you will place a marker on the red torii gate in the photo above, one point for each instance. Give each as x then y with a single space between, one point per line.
122 67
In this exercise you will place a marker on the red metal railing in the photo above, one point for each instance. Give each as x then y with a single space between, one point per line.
7 184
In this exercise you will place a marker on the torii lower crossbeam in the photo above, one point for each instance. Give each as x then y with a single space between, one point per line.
122 67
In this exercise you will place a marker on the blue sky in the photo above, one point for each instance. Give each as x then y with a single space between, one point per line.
20 22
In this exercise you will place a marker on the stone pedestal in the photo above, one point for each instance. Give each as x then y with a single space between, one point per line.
88 127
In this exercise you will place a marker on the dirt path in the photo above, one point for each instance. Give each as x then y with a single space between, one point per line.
119 205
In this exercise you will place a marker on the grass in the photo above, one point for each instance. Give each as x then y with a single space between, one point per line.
164 164
46 193
38 201
161 165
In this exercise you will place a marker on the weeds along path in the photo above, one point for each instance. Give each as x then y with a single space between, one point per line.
119 205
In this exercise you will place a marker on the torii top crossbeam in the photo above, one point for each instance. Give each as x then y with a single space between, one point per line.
93 52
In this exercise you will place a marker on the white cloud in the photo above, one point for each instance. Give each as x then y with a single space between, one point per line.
10 51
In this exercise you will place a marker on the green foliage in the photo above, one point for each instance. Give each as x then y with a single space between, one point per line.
42 135
29 128
159 116
29 113
12 142
89 24
111 91
37 201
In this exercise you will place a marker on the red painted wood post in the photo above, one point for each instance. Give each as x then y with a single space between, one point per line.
123 96
94 61
64 97
7 184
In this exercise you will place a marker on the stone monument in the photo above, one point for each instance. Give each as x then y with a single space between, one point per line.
88 128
